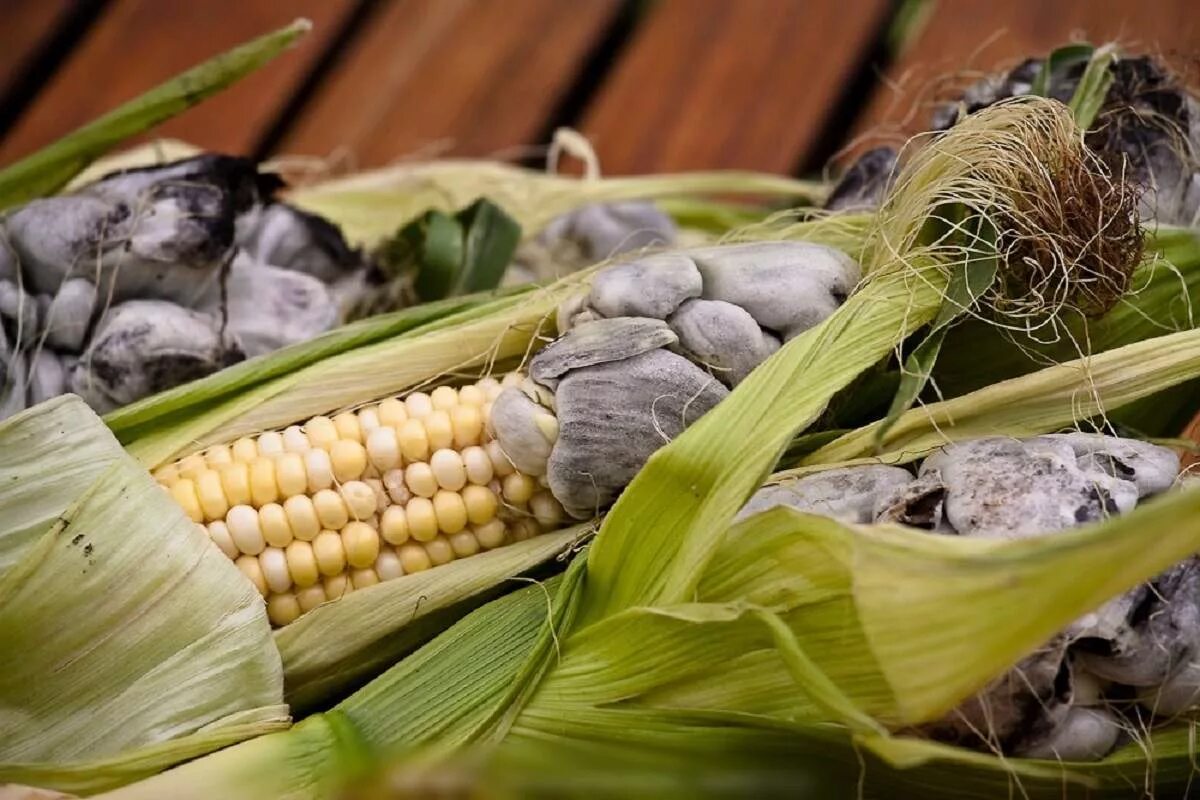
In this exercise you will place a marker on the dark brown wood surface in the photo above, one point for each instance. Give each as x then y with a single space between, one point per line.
462 77
711 83
657 85
23 29
136 44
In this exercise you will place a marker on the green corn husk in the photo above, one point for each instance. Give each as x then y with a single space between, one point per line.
786 640
160 639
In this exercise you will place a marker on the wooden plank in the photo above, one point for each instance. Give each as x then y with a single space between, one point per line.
717 84
138 43
27 24
475 77
960 40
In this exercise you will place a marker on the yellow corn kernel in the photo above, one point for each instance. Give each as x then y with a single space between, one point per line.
310 597
184 492
444 398
481 505
283 609
362 578
450 511
167 474
273 563
250 568
295 440
471 395
524 529
392 413
477 465
359 498
329 552
464 544
439 430
422 521
218 455
383 448
439 550
273 521
413 558
448 469
420 480
270 443
346 424
418 405
302 517
235 480
546 510
414 442
192 465
321 432
349 459
302 564
331 509
388 565
490 534
211 495
467 424
361 543
290 475
518 488
337 586
501 466
319 469
244 450
393 525
245 529
263 488
219 533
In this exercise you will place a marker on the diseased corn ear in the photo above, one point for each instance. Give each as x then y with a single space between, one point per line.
598 342
849 494
722 337
144 346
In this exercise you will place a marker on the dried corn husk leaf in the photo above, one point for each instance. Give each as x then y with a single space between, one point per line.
128 628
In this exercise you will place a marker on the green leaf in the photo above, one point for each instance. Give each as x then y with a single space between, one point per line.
1093 86
437 241
1058 61
491 239
51 168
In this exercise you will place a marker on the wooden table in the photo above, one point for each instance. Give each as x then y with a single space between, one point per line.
656 85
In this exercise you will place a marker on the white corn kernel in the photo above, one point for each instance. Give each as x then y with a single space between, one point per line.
319 469
546 510
388 565
244 450
218 531
192 465
273 562
477 464
448 469
295 440
368 420
244 528
321 432
270 443
418 405
444 398
383 448
471 395
360 499
249 566
420 479
218 455
500 463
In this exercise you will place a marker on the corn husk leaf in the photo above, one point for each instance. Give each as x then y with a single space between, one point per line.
155 636
326 651
51 168
1040 402
372 205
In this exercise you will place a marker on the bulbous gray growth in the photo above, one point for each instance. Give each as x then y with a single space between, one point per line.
849 494
269 307
722 337
514 422
603 230
1083 734
47 376
69 313
1179 693
613 416
653 286
284 236
144 346
1152 469
22 311
598 342
787 287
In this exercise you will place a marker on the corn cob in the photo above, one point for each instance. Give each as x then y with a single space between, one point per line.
340 503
